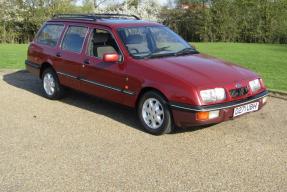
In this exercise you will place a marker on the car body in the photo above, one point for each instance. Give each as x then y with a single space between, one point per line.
111 56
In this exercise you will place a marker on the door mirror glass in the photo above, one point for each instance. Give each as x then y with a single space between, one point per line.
111 57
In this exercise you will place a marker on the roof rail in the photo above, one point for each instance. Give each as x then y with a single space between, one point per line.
93 17
116 15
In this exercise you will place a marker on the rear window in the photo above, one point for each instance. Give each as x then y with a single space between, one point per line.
50 35
74 39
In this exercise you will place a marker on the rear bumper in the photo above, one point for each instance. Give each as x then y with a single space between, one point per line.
33 68
185 115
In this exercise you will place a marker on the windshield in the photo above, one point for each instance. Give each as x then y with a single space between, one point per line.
156 41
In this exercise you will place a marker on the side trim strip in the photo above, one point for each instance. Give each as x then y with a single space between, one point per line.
102 85
31 64
128 92
99 84
218 106
67 75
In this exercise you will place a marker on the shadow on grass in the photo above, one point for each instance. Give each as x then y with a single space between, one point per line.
24 80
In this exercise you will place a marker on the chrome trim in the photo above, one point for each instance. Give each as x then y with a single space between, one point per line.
211 108
68 75
99 84
128 92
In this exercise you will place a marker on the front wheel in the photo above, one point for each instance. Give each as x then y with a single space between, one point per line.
154 114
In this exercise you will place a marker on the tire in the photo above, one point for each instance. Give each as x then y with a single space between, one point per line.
51 85
154 114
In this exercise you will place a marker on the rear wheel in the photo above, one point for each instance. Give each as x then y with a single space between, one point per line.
154 113
51 85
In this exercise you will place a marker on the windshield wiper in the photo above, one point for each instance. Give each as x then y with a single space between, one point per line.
161 49
188 50
184 51
154 55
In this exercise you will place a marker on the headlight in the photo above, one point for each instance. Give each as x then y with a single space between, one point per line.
212 95
255 85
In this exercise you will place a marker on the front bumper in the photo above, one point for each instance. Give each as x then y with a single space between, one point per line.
185 115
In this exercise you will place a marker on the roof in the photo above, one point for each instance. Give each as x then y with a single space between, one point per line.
112 20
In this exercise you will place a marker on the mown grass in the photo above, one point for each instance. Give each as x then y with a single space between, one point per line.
268 60
12 56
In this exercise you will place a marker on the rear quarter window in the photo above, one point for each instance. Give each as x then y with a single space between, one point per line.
50 35
74 39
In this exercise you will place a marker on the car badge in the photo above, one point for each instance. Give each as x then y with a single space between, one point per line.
238 85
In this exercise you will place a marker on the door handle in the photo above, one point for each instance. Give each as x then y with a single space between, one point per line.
59 54
86 61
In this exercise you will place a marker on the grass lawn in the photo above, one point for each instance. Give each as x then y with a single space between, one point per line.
12 56
268 60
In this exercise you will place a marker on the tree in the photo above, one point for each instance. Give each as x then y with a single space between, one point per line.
263 21
146 9
97 3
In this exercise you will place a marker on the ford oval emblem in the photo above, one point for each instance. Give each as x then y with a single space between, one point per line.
238 85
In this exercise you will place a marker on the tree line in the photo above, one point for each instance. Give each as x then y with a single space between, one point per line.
253 21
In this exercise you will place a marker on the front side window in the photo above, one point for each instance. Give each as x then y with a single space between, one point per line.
102 42
153 41
50 35
74 39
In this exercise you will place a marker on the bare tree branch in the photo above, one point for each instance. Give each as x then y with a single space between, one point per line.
97 3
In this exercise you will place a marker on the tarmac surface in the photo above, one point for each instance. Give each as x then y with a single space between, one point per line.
82 143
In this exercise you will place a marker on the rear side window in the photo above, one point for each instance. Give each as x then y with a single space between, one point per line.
50 35
74 39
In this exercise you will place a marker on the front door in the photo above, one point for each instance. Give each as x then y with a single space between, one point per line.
106 80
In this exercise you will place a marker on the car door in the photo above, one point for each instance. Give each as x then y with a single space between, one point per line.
71 55
102 79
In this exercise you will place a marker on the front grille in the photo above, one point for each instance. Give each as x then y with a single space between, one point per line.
238 92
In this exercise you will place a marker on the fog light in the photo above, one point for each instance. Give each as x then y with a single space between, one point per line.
213 114
264 100
206 115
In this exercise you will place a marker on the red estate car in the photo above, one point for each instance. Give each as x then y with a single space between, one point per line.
143 65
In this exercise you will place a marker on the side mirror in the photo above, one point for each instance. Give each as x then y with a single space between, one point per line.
111 57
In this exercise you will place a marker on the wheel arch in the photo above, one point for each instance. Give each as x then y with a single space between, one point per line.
147 89
44 66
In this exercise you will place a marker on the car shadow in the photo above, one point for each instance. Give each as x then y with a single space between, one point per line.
24 80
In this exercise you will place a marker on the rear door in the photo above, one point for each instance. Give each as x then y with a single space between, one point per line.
70 56
45 45
106 80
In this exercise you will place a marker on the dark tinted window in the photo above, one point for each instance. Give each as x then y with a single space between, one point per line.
74 39
50 35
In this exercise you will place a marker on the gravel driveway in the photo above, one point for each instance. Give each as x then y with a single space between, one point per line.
83 143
